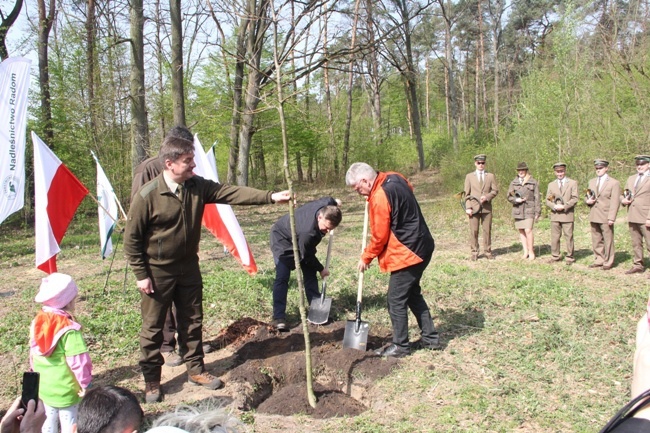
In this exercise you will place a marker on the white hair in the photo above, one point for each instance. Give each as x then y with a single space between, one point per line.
207 417
358 171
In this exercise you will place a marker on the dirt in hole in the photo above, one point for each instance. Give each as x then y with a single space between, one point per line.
269 375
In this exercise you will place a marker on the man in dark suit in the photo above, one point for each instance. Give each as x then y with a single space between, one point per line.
480 188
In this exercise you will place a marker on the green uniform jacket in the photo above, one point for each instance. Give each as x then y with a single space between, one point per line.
163 232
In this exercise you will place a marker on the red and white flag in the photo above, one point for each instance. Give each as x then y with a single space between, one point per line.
220 218
57 195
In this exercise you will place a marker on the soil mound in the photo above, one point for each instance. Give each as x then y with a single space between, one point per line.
269 373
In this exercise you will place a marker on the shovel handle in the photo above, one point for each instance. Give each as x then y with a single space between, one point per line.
363 247
327 265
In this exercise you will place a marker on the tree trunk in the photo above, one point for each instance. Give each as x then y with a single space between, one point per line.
348 111
178 92
481 53
453 109
139 124
333 154
5 25
254 47
90 67
411 84
233 154
160 85
45 21
375 79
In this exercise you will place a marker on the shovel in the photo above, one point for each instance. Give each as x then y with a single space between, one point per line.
319 309
356 331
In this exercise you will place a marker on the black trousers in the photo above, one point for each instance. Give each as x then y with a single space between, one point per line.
283 270
404 293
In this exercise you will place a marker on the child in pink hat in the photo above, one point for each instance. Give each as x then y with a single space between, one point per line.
59 353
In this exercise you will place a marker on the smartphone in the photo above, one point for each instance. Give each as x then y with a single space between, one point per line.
30 388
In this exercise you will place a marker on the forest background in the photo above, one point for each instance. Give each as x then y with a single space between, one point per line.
402 85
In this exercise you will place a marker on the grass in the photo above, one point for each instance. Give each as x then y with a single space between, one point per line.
529 346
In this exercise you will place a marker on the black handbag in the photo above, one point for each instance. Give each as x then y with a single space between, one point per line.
627 411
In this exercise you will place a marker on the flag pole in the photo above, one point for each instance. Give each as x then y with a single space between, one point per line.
110 267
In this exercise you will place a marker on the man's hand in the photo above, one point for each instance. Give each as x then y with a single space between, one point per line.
625 202
610 223
324 273
590 201
361 266
647 224
19 420
483 199
34 417
519 200
558 207
145 286
281 197
11 420
469 212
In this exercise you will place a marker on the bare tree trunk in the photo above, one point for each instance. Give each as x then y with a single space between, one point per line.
139 124
427 91
333 154
90 67
348 113
45 21
254 47
481 53
299 172
375 79
476 94
159 82
178 92
244 28
5 25
496 12
311 396
449 56
411 82
447 98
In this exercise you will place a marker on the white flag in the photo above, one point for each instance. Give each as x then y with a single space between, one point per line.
107 210
14 84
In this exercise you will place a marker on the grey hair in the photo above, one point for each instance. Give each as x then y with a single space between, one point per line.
358 171
207 417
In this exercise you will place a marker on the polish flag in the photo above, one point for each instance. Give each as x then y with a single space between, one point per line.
57 195
220 218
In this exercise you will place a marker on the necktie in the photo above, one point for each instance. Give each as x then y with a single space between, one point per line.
179 192
559 183
480 179
598 184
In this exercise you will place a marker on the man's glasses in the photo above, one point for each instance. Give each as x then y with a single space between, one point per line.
480 162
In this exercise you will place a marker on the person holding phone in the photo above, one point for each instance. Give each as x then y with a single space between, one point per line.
23 417
59 353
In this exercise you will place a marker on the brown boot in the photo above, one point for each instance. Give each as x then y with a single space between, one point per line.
152 392
206 380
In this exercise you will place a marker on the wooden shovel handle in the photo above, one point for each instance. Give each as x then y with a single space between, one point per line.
363 247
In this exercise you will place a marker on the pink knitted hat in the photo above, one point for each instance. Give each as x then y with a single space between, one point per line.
57 290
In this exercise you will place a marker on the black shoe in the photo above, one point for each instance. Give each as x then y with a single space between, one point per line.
393 350
280 324
423 345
